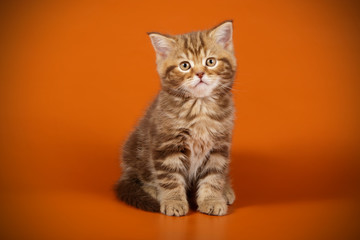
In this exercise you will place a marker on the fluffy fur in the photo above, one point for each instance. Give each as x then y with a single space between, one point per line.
179 151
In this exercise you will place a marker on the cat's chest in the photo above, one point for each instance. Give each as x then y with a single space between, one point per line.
200 143
202 128
203 131
200 140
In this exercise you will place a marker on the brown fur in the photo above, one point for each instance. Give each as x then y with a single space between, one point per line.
182 144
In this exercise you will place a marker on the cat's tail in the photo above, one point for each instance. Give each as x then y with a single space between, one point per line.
129 190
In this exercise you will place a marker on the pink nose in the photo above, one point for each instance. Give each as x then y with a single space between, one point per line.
200 74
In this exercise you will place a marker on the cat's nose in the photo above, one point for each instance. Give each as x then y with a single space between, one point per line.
200 74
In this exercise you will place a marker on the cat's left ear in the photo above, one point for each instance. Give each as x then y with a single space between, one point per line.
162 44
223 35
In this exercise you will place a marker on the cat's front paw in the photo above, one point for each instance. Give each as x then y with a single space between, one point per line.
174 207
216 207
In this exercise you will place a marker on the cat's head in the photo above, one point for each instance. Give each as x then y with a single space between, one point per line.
196 64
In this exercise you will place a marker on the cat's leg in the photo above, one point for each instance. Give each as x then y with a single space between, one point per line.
212 183
170 171
151 190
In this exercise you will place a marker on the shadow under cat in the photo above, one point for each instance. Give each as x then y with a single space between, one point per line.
261 179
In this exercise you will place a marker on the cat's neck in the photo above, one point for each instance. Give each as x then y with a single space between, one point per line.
183 96
178 102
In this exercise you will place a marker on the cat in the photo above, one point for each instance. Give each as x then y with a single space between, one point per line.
180 149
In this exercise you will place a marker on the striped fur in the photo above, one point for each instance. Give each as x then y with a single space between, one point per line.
182 143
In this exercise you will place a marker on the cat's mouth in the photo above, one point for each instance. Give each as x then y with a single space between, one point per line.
200 83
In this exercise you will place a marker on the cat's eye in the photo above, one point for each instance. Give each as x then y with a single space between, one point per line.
184 65
210 62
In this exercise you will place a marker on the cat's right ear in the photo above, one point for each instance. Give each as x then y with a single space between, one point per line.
162 44
223 34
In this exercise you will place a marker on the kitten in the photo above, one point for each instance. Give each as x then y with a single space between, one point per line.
182 144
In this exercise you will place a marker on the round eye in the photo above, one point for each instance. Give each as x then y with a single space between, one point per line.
184 66
210 62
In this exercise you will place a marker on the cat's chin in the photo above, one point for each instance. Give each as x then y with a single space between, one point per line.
202 90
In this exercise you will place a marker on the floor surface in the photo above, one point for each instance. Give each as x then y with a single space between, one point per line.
87 216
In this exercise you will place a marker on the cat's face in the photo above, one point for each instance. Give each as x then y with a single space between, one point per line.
196 64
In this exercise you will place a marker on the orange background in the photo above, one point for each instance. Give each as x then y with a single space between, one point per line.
75 76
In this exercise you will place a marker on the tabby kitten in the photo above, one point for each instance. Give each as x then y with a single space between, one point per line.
180 149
